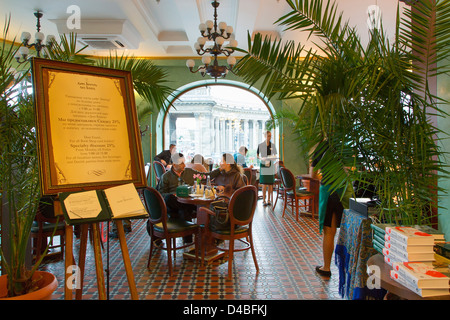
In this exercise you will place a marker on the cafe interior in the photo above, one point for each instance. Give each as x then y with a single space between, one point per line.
276 244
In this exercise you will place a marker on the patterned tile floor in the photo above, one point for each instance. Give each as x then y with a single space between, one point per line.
287 253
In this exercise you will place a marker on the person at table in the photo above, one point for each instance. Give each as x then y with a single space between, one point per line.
165 157
227 179
198 163
267 168
169 182
229 176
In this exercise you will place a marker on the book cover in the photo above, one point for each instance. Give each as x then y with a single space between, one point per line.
119 202
436 234
424 293
377 245
409 235
380 228
84 207
421 275
416 257
399 246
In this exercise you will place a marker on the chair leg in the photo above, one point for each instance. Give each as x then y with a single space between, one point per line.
174 246
276 197
202 250
285 203
169 255
296 208
196 247
151 251
252 248
230 259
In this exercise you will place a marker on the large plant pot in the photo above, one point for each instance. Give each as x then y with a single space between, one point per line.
47 285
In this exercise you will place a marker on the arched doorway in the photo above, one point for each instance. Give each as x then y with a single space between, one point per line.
210 118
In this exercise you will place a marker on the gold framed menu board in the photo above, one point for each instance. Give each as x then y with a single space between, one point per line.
87 128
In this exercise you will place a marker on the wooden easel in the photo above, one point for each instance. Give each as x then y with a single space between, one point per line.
96 242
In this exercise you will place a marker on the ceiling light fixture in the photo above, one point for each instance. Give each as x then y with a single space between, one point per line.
217 33
22 54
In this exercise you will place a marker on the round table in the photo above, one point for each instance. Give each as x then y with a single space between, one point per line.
211 252
197 201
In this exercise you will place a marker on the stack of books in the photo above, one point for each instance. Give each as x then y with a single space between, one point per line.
411 253
407 244
421 278
400 247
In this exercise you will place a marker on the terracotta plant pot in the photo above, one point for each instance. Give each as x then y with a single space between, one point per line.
47 285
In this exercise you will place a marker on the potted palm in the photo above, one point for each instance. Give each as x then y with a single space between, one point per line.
371 103
20 192
20 185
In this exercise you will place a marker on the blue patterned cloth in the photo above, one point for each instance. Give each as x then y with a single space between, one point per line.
353 249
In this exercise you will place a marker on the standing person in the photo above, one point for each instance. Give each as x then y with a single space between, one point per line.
331 208
165 157
267 168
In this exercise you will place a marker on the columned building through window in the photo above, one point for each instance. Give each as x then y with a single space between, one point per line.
211 120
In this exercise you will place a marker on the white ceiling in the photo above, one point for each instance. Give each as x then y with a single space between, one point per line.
169 28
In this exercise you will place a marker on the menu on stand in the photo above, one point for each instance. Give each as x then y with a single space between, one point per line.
87 126
91 124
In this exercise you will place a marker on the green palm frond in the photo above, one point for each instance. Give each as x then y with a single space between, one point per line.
321 21
363 103
66 50
272 64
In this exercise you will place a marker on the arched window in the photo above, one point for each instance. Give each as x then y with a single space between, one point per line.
213 119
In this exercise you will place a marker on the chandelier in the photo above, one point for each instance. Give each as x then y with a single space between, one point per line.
217 33
22 54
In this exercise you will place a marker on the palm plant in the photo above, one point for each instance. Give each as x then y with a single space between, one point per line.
18 149
368 104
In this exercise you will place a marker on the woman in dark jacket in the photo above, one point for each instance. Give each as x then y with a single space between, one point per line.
229 177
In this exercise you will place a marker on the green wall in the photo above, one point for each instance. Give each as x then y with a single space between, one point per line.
443 91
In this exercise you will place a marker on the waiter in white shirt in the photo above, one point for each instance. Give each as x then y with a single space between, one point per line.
267 167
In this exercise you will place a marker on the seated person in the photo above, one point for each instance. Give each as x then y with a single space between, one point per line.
228 174
227 179
165 157
239 157
198 163
168 184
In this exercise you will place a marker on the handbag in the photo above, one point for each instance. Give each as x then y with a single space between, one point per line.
221 219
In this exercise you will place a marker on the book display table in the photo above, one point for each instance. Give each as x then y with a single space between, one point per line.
393 286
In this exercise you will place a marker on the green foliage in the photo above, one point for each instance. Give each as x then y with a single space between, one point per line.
368 106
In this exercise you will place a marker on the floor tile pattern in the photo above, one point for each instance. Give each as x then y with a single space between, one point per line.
287 253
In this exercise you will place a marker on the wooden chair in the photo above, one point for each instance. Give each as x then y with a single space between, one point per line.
248 174
43 227
241 209
161 227
158 169
293 196
312 185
